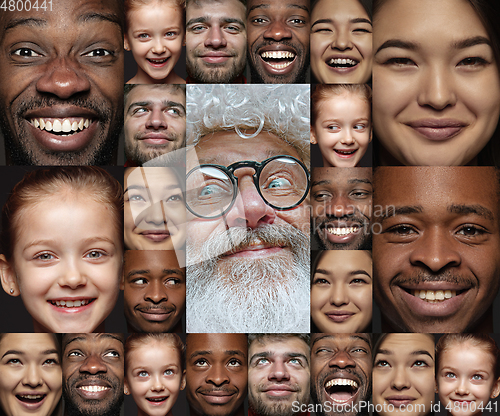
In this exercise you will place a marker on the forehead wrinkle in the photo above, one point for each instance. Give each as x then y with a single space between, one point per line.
335 337
29 21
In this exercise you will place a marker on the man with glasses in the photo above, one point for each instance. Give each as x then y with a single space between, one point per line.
248 219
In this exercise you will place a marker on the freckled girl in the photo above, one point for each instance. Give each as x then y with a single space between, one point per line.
154 372
155 34
468 373
341 123
62 247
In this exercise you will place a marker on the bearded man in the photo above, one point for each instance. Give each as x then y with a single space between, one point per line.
248 218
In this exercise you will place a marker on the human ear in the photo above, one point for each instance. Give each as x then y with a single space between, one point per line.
126 43
126 390
313 136
371 135
496 389
183 380
8 277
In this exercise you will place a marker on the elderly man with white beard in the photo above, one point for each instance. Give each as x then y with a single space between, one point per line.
247 190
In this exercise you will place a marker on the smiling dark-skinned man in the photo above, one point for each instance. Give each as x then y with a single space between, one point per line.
61 92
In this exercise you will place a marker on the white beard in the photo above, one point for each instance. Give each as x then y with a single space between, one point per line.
268 295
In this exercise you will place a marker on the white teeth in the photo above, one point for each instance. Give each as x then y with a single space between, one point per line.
70 303
93 389
66 126
61 125
56 126
342 61
341 231
32 396
278 55
341 382
434 296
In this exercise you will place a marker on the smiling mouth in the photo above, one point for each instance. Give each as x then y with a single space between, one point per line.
61 127
156 399
341 390
435 296
345 152
342 231
278 59
93 388
157 61
71 303
31 398
341 63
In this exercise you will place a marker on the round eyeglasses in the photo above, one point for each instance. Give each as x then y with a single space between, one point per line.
282 182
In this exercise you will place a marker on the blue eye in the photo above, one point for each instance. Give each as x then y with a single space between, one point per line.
279 183
211 190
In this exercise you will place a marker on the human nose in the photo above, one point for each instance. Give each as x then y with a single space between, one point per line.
342 40
339 206
400 380
157 119
63 78
32 376
347 138
155 214
72 276
157 383
158 47
93 364
279 371
277 31
215 38
437 88
342 359
249 209
434 251
339 295
217 375
462 388
156 292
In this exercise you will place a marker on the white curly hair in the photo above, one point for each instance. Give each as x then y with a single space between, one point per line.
283 110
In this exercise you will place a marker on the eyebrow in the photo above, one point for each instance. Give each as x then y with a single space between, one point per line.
86 241
350 181
351 273
29 21
416 352
142 187
352 337
209 352
330 21
99 17
146 271
265 354
289 6
392 211
398 43
207 19
476 209
165 103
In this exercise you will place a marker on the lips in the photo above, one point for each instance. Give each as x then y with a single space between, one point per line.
156 236
339 316
217 397
157 63
71 303
277 61
254 248
437 129
156 138
398 401
158 314
345 153
157 400
94 389
62 128
342 390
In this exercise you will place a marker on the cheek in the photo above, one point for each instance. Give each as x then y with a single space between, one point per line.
363 139
177 297
319 298
362 298
175 47
139 49
365 47
298 217
53 379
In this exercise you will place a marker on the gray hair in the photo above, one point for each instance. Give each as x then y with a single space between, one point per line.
283 110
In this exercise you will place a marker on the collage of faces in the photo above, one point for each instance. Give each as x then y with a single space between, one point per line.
249 207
